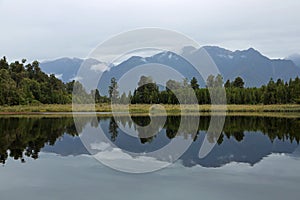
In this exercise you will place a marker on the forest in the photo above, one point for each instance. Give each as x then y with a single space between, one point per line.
26 84
278 92
23 84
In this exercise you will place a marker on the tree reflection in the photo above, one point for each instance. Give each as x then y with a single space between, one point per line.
143 134
22 137
234 127
273 127
113 129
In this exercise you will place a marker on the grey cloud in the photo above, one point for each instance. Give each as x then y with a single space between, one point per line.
49 29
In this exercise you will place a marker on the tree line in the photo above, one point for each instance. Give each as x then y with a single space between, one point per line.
148 92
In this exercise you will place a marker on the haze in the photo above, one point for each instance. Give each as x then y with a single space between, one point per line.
47 29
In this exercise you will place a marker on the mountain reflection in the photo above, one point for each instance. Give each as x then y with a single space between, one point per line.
243 139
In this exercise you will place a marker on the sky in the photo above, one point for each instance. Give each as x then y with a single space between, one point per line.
49 29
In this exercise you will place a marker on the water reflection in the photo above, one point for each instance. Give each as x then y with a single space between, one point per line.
244 139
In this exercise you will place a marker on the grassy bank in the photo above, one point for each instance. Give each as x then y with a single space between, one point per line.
145 108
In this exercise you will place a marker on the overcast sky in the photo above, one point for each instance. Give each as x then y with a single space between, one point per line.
48 29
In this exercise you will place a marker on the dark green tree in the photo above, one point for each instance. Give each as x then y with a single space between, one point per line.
227 84
113 90
194 83
238 82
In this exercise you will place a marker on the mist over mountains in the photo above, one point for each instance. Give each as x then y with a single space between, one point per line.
295 58
65 68
255 68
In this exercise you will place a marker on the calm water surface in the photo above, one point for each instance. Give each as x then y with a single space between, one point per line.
255 158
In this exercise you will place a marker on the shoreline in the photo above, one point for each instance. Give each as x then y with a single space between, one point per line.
145 109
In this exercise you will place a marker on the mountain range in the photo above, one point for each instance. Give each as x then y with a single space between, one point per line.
255 68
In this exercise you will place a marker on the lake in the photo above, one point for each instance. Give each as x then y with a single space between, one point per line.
44 157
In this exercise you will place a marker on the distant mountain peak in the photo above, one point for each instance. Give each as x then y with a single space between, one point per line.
164 56
216 48
218 51
252 51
